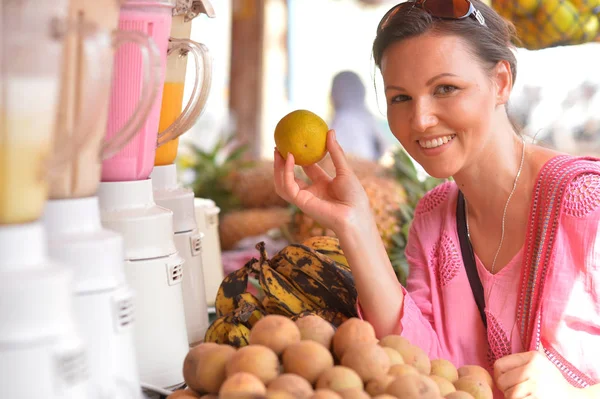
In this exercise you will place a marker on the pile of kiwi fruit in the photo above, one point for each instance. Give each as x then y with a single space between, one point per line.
309 358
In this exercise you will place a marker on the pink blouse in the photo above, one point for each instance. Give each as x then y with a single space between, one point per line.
440 315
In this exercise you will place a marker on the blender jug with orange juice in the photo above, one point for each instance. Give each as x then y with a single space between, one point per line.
167 192
38 335
103 300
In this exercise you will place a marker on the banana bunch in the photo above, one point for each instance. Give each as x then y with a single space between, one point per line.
320 279
308 278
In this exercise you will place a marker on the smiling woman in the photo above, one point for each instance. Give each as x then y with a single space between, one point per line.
518 226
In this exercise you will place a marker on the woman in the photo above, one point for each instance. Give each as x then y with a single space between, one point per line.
448 73
355 125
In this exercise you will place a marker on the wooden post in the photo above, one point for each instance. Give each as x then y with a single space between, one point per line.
246 71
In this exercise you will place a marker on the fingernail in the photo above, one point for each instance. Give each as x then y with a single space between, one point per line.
333 135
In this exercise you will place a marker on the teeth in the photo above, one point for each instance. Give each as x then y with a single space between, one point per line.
436 142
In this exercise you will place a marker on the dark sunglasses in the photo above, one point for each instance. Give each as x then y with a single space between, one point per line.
444 9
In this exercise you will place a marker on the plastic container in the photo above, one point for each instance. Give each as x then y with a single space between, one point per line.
171 117
30 146
136 159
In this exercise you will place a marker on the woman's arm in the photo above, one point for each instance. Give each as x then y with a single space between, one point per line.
381 296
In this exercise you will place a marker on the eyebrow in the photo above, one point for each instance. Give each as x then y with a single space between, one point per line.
428 83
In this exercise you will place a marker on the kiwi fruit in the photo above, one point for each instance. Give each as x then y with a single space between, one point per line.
325 394
207 379
354 393
339 378
258 360
292 384
378 385
477 372
459 395
398 370
350 332
443 384
413 386
475 386
445 369
241 384
394 355
274 331
315 328
369 360
308 359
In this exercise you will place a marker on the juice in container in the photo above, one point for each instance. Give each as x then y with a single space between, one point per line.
136 160
171 116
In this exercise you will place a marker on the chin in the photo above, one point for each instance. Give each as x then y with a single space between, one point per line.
439 172
439 169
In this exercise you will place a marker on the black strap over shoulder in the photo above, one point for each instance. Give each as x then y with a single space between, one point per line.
469 257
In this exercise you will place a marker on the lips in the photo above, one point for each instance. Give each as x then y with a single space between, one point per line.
436 142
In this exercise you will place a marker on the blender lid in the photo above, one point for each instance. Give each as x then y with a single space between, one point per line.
192 8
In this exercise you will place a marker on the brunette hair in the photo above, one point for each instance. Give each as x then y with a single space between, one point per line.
489 43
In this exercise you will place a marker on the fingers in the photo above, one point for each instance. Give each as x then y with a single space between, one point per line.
510 379
290 186
524 390
337 153
278 166
315 173
511 362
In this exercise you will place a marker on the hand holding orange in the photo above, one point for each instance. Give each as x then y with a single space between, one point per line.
304 135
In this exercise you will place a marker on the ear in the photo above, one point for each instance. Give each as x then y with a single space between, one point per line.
503 83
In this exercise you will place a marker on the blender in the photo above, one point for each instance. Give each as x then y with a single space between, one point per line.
153 267
103 301
167 192
207 218
38 333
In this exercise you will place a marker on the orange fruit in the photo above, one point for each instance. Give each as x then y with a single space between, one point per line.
304 135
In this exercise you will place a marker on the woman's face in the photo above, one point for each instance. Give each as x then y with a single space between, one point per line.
441 103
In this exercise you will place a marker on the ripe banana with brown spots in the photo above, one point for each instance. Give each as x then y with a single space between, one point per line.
328 246
319 278
234 284
228 330
249 309
284 297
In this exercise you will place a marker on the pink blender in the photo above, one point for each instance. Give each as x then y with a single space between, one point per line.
153 267
103 300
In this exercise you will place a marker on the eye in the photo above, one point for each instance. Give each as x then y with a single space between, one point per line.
399 99
445 89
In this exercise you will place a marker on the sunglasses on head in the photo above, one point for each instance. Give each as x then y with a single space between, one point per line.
443 9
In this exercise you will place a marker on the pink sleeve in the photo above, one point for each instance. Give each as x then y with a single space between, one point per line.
417 321
416 318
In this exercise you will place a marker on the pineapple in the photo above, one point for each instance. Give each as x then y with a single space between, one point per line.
254 186
360 166
237 225
385 197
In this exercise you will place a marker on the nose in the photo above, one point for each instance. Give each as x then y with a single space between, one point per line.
423 116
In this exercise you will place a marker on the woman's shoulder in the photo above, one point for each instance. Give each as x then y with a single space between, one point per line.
582 178
438 199
582 194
